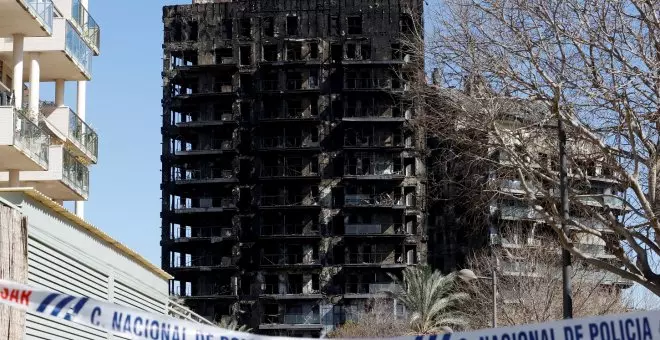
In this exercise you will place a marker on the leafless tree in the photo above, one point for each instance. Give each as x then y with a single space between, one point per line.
509 70
530 292
377 320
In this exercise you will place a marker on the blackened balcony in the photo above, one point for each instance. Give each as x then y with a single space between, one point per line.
289 230
291 321
213 146
208 262
285 260
290 291
287 142
374 171
374 113
384 200
203 204
373 141
361 289
288 201
370 84
270 85
207 233
288 171
216 118
294 114
374 259
212 291
204 176
374 229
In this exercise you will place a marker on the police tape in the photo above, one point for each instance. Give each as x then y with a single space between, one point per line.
136 324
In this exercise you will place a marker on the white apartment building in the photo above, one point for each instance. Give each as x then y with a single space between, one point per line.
45 154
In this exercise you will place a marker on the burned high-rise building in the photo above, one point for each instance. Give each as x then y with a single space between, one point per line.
292 178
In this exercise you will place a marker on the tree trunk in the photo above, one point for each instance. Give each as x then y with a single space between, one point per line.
13 266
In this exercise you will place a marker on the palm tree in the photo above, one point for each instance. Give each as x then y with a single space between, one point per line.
431 300
231 324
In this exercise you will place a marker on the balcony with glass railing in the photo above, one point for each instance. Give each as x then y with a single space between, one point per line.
67 178
80 138
31 18
23 143
85 23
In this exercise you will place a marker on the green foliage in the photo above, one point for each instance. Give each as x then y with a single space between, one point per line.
231 324
432 300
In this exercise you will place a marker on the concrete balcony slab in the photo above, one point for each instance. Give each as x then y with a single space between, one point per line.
31 18
66 179
64 55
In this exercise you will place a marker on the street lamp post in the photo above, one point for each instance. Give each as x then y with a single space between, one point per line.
469 275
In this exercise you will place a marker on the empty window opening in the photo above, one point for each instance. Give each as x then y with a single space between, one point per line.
246 55
292 25
294 80
246 83
269 27
365 51
223 83
194 31
294 108
314 107
270 81
314 165
224 56
396 52
336 53
315 282
270 52
246 28
227 29
294 51
246 111
176 34
351 51
313 51
313 78
355 25
335 25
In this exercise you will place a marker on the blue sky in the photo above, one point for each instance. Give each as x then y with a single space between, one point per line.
123 106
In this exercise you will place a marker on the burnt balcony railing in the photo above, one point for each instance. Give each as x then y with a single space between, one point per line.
285 171
373 170
205 261
290 113
202 174
370 258
284 259
211 145
285 142
202 203
218 116
214 289
270 85
287 229
294 84
371 288
293 319
373 141
367 83
380 200
372 112
374 229
287 200
203 232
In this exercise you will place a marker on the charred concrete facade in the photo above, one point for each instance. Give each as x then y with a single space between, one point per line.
293 182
